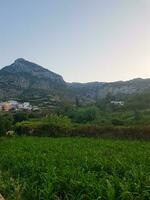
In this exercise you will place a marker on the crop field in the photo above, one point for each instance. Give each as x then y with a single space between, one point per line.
33 168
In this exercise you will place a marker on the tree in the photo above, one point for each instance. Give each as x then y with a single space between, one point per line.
20 116
6 122
83 115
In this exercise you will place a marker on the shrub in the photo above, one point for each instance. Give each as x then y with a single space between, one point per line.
117 132
20 116
6 122
84 115
57 120
117 122
52 125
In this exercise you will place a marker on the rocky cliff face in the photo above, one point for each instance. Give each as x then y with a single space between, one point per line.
26 79
23 76
99 90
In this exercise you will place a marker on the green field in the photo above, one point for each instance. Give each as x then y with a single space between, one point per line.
34 168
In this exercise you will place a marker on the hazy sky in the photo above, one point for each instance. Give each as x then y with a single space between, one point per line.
83 40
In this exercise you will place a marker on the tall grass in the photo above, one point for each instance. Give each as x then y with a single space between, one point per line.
34 168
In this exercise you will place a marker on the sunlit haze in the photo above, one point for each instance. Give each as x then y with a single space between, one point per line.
82 40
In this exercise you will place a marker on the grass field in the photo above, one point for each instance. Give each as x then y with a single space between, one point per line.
34 168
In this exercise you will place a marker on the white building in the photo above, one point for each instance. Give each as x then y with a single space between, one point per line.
120 103
27 106
14 105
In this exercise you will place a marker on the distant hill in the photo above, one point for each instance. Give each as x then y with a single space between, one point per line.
24 79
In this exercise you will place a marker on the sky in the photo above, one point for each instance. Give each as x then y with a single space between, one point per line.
82 40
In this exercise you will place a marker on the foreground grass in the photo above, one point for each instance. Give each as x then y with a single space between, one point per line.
74 168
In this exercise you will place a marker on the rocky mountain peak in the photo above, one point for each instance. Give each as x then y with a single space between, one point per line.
24 77
20 60
21 66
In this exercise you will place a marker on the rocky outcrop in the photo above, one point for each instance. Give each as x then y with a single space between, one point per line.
99 90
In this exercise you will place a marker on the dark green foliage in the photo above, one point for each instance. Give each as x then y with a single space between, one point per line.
77 102
87 120
117 122
20 116
61 126
74 169
117 132
6 121
84 115
52 125
138 101
63 108
137 116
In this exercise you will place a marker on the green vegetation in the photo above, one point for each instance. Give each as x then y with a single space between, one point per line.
6 122
80 121
84 114
74 168
52 125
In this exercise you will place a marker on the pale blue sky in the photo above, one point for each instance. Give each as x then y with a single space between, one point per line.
83 40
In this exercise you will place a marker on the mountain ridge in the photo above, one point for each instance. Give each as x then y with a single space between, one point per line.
27 79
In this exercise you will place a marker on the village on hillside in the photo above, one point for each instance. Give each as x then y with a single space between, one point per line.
17 106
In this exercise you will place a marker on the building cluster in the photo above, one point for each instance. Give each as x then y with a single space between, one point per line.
17 106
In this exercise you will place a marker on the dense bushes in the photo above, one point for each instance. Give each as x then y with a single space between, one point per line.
52 125
131 132
61 126
20 116
84 115
6 122
117 122
81 121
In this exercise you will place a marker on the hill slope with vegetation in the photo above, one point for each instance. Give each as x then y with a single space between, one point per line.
26 80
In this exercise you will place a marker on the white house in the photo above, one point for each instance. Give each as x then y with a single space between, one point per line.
27 106
120 103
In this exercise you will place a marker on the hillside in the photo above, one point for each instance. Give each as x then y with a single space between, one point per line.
27 80
99 90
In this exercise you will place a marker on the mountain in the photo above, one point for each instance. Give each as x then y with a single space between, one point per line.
99 90
27 80
24 78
